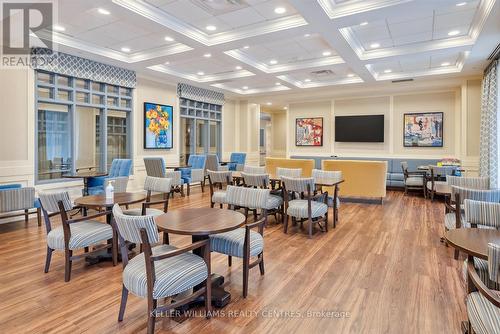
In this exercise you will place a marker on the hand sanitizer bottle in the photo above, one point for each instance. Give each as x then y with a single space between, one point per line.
110 190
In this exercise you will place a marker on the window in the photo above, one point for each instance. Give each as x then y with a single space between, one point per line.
200 128
73 115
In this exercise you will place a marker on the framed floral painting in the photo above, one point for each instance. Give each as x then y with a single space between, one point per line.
309 131
158 122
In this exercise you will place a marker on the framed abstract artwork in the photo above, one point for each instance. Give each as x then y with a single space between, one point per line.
423 129
158 122
309 131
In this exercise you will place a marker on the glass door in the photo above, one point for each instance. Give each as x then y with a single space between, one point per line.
187 138
201 136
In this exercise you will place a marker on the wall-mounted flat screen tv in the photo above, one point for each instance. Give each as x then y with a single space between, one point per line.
359 129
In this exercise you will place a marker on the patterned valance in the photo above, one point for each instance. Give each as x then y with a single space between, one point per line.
199 94
63 63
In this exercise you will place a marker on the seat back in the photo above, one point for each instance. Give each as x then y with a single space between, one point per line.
129 227
212 162
482 213
119 183
50 200
299 185
157 184
306 165
223 177
325 176
255 180
442 170
120 167
155 167
494 262
288 172
254 169
15 199
247 197
469 182
197 161
175 177
492 196
238 158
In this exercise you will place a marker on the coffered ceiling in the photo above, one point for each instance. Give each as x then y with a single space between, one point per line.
258 47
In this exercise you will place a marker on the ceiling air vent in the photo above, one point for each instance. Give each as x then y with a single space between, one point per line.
219 7
495 53
322 73
401 80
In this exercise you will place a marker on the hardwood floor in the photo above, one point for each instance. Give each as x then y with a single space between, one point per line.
383 266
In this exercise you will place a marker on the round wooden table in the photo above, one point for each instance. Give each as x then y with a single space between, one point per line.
85 176
200 223
473 241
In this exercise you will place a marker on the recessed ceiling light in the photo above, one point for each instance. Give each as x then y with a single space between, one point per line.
286 108
200 73
103 11
350 75
278 84
454 33
169 39
307 80
211 28
326 53
280 10
125 49
445 64
58 28
388 71
207 55
166 63
246 47
273 62
269 103
245 87
374 45
363 23
238 67
307 35
460 4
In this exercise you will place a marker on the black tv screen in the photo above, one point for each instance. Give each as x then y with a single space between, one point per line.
359 129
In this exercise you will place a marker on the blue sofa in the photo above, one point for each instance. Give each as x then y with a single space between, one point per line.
395 177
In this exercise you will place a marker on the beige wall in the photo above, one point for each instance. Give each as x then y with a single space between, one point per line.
278 134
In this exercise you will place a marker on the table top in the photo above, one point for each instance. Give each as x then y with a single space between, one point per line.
227 162
83 175
426 167
177 167
118 198
473 241
329 184
200 221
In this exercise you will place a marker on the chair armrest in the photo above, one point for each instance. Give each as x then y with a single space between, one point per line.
449 208
479 284
147 204
185 249
84 218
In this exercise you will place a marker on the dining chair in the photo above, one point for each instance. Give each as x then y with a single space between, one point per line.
218 179
153 184
325 177
196 171
254 169
435 181
160 271
309 207
237 161
74 234
274 203
155 166
244 242
483 303
415 180
469 182
482 215
455 218
118 168
288 172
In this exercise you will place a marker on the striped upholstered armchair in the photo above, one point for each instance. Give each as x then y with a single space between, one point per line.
483 303
16 201
73 234
218 180
324 177
160 271
156 167
274 203
153 184
244 242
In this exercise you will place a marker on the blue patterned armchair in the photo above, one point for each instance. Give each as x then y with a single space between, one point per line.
16 200
237 161
196 171
119 168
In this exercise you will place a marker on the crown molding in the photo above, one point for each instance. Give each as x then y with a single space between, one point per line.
251 91
167 20
354 7
300 84
202 79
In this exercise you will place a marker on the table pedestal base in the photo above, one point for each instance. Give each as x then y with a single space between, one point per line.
220 297
105 255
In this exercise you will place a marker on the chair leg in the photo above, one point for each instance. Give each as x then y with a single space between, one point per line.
123 303
39 216
229 260
310 227
67 266
212 204
246 269
326 222
114 249
188 189
456 254
202 185
86 249
166 240
261 263
47 260
151 318
221 205
26 213
182 190
285 224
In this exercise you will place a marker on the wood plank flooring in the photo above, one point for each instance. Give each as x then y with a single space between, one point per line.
382 270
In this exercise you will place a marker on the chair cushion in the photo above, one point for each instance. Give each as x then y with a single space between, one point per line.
450 221
231 243
482 271
83 234
219 197
438 185
414 181
298 208
173 275
483 315
273 202
138 212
